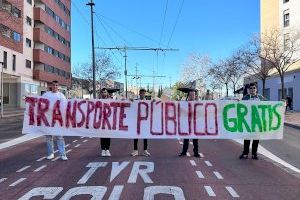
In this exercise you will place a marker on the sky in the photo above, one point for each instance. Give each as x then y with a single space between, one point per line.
207 27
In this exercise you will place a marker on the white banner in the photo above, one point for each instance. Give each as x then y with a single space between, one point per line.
154 119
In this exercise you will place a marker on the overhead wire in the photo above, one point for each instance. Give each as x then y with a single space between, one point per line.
163 24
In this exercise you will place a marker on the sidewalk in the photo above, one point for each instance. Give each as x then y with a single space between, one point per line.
292 119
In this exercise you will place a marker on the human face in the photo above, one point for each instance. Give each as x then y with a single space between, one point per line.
252 90
104 94
192 96
54 87
142 95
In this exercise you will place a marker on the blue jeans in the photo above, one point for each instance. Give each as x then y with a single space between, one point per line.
60 144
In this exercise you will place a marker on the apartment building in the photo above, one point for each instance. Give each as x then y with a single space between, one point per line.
35 38
283 16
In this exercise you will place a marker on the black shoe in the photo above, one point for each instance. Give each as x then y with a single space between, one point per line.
244 156
182 154
254 156
197 155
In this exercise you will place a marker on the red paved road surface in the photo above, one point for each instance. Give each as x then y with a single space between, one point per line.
219 173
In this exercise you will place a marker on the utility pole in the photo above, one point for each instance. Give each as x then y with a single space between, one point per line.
91 4
125 49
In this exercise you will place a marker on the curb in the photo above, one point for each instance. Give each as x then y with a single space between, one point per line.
292 125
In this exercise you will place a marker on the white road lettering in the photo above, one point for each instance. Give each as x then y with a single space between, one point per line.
93 167
151 191
97 192
116 192
142 172
46 192
116 169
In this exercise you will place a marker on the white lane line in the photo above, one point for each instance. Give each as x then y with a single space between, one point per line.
201 155
85 140
40 168
81 137
55 151
218 175
17 182
178 139
193 163
232 191
191 142
180 142
55 159
75 141
67 145
208 163
209 191
22 169
77 145
68 151
199 173
2 179
188 154
18 140
42 158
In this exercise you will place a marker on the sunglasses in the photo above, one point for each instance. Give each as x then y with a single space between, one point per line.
253 88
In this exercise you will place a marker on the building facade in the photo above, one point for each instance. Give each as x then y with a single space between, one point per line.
283 16
35 38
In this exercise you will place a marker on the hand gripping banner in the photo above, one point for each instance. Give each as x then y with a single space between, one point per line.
154 119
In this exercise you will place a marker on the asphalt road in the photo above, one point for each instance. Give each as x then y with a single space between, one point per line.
219 175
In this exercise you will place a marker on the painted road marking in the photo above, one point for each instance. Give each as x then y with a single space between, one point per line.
193 163
22 169
55 151
180 142
201 155
85 140
93 167
209 191
218 175
191 142
58 157
188 154
2 179
42 158
81 137
68 151
232 191
208 163
75 141
199 173
77 145
67 145
17 182
40 168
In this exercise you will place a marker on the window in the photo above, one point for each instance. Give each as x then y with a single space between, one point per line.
28 43
16 12
5 60
267 93
28 64
16 36
28 21
286 40
29 1
286 18
14 63
285 1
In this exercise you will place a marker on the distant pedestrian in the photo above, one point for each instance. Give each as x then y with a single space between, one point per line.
289 102
142 95
54 95
252 96
105 142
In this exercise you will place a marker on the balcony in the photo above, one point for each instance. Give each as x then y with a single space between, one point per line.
49 77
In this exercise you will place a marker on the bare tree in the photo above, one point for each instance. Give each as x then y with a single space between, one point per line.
235 71
280 52
104 70
220 72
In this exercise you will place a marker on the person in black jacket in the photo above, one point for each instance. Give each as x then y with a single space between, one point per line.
254 96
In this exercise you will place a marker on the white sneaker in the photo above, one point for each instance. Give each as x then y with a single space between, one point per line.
107 153
50 157
135 153
103 153
64 157
146 153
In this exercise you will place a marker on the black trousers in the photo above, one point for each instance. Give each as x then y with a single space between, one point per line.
186 146
105 143
254 146
135 145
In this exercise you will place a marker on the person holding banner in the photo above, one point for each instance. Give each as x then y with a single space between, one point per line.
191 97
105 142
254 96
54 94
142 94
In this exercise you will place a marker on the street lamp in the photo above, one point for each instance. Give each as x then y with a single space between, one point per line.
1 85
